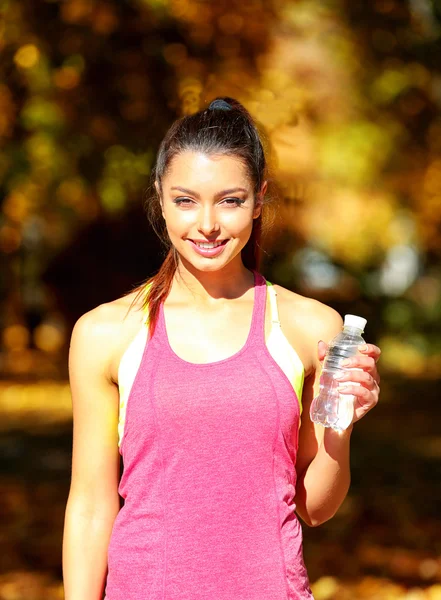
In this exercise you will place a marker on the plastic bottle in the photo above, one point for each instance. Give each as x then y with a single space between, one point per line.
329 407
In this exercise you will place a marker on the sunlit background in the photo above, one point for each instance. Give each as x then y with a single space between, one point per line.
349 95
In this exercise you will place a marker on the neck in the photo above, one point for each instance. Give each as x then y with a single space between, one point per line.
211 286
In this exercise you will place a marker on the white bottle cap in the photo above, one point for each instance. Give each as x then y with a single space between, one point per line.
354 321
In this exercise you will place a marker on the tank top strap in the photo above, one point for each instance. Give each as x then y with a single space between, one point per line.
257 328
257 332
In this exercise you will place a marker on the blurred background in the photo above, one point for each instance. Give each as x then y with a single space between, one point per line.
349 94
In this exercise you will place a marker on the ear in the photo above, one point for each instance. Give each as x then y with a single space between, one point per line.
259 201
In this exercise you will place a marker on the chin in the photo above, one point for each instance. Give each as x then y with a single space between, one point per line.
207 265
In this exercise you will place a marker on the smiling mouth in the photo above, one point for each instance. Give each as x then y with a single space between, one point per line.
209 245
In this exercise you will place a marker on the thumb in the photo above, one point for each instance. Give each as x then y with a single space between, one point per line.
321 349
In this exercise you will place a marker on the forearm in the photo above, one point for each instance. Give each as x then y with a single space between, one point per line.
323 486
85 544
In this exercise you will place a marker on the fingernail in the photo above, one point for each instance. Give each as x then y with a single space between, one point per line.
339 376
346 363
363 348
343 388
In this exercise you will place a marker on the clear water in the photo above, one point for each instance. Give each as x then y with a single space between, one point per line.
329 407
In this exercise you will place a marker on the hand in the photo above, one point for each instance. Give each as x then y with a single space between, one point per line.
367 393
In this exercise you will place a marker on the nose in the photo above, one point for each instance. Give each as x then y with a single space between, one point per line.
207 220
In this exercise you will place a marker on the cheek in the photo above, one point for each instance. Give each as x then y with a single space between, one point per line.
238 221
178 221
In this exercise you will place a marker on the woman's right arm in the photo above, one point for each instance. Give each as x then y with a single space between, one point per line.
93 501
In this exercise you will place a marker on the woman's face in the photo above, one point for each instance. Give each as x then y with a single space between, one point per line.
208 205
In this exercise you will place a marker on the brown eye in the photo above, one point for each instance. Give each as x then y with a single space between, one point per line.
183 201
233 201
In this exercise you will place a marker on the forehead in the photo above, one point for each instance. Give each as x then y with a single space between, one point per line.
199 169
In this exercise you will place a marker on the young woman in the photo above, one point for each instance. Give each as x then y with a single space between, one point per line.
205 393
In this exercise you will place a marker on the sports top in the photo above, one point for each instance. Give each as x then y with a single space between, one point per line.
277 344
209 478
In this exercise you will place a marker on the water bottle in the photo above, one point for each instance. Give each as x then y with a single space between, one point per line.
329 407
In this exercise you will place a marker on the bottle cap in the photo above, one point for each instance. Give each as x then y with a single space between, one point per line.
354 321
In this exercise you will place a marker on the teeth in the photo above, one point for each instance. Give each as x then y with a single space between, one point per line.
208 244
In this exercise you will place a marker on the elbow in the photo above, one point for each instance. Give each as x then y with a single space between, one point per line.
85 508
316 518
316 521
313 522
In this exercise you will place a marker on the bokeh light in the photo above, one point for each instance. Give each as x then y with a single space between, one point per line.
348 96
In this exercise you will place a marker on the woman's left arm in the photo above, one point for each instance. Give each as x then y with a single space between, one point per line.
323 468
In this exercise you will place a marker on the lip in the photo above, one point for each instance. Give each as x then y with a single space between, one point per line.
209 252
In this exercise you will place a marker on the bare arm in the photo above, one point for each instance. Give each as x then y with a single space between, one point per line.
322 485
323 455
93 501
323 465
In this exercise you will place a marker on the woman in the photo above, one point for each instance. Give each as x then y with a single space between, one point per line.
209 389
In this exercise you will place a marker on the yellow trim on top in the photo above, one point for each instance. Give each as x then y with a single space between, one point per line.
285 356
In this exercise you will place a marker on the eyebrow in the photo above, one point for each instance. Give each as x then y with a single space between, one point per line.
222 193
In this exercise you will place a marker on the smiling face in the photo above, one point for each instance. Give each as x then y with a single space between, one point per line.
209 206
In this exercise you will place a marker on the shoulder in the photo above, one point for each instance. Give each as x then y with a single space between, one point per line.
99 324
98 334
312 314
307 321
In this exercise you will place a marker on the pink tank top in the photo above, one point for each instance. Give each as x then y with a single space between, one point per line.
209 454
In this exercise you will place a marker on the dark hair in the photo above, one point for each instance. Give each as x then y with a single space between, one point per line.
225 127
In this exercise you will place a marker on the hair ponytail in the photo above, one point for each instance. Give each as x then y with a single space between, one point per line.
225 127
158 287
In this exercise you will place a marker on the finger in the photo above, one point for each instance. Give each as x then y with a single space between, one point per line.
362 377
321 349
359 361
370 350
367 397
